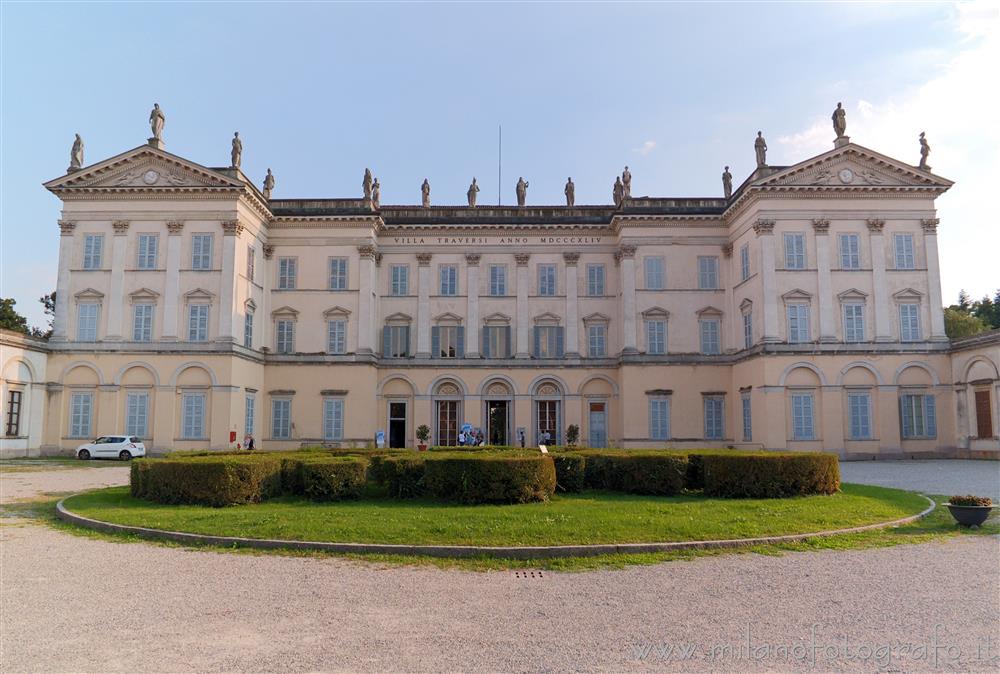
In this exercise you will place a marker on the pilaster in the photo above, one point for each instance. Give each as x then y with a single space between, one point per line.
883 323
769 325
934 280
627 256
59 327
572 345
523 348
366 298
827 323
424 305
227 299
173 281
472 305
116 297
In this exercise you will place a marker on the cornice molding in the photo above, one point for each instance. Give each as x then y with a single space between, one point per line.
930 225
232 228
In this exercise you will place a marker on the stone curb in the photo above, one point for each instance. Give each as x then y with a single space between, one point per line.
465 551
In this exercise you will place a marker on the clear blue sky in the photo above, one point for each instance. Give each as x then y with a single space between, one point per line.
320 91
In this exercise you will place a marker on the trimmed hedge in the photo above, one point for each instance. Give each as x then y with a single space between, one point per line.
770 475
492 478
571 472
636 472
334 478
212 481
401 476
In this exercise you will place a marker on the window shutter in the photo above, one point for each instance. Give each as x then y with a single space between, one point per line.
903 430
559 342
537 341
435 342
484 338
506 330
930 415
460 349
385 342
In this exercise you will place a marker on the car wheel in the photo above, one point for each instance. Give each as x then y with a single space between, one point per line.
83 455
124 455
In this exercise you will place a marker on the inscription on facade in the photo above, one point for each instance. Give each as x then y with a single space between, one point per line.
496 240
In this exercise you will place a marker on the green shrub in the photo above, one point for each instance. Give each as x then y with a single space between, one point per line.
489 478
636 471
571 470
770 474
333 478
212 481
138 473
401 476
970 500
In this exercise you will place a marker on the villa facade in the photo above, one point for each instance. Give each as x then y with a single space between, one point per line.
803 312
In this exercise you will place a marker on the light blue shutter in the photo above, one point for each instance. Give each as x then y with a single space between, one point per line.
509 345
460 351
559 342
385 342
485 339
435 342
930 415
538 334
406 341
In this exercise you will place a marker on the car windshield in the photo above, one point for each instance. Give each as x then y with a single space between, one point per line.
100 440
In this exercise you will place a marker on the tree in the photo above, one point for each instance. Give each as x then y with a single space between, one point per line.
9 318
49 303
963 301
987 310
960 324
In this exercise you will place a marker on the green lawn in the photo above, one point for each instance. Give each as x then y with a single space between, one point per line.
41 463
591 517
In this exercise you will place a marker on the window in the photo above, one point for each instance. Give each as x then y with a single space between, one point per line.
656 337
904 251
795 251
396 341
745 262
336 336
854 322
81 409
597 341
201 251
288 268
714 427
859 408
333 418
93 247
798 323
142 323
850 251
595 280
248 329
547 280
498 280
399 280
449 279
14 413
747 416
496 341
747 329
918 416
909 322
447 341
281 418
198 323
137 415
248 413
548 341
709 329
654 273
147 251
86 321
802 417
338 273
284 336
659 418
193 416
708 273
251 262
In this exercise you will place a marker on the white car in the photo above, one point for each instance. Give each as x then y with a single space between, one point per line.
122 447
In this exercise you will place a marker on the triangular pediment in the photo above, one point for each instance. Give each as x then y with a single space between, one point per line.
656 312
199 295
708 312
285 312
448 318
852 295
89 294
497 319
853 166
398 318
144 295
144 167
797 295
336 312
908 294
548 318
596 317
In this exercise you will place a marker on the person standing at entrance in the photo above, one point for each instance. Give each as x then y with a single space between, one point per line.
248 442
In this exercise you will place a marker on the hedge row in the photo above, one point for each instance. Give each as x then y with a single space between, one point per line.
238 479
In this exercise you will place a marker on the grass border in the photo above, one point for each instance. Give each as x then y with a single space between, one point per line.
467 551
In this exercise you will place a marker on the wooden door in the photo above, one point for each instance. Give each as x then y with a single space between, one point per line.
984 415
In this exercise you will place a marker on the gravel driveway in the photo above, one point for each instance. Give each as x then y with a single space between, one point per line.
78 604
948 477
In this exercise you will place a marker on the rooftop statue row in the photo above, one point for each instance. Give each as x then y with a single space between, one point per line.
621 191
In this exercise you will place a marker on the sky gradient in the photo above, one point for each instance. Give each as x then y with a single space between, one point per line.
320 91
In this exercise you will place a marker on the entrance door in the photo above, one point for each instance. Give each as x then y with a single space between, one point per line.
447 423
547 422
496 419
598 424
984 416
397 424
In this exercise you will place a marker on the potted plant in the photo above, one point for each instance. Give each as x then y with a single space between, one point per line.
423 433
572 435
970 511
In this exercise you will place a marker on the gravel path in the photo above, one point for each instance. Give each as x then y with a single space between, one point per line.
78 604
948 477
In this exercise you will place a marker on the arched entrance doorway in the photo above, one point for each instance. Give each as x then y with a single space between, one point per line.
498 412
547 404
447 413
